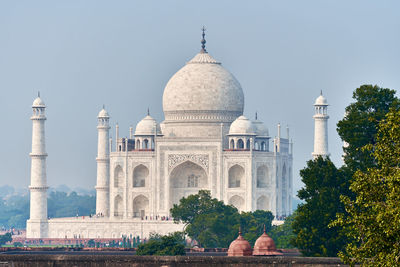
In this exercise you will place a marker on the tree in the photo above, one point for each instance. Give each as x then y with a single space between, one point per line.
91 243
214 224
283 234
359 126
374 215
252 224
208 220
323 185
5 238
163 245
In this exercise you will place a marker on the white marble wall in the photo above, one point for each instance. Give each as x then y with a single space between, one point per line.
86 227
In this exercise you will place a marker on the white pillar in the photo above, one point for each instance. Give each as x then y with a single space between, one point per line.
321 127
103 164
37 226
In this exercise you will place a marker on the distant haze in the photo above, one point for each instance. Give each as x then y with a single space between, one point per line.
83 54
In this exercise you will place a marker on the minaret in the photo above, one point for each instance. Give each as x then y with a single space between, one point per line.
37 223
103 164
321 127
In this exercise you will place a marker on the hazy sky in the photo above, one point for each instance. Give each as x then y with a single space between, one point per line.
83 54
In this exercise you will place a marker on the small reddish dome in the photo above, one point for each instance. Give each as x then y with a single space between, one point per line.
240 247
265 246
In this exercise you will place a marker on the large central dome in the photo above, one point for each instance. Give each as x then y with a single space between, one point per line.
203 91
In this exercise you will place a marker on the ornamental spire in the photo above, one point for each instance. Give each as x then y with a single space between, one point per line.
203 41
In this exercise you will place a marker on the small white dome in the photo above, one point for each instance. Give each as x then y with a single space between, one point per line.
260 128
241 126
147 126
103 114
321 101
38 102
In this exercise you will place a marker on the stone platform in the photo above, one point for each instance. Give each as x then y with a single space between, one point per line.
165 261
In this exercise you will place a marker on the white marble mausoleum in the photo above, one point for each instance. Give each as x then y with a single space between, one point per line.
204 142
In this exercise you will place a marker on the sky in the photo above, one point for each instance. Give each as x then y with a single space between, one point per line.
83 54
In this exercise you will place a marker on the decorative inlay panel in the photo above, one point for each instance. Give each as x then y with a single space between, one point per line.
176 159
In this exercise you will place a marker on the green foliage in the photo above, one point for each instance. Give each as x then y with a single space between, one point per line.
214 224
283 234
359 126
374 215
208 220
18 244
61 204
91 243
14 211
323 185
5 238
163 245
252 224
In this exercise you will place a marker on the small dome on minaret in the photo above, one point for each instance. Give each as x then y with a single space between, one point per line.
38 102
321 101
240 247
103 113
265 246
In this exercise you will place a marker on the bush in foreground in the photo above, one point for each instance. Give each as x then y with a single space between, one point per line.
167 245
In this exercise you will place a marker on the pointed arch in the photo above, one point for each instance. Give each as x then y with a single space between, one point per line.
284 190
140 175
145 144
118 206
237 202
232 144
262 177
240 144
263 146
248 144
262 203
118 176
137 144
235 176
185 179
140 206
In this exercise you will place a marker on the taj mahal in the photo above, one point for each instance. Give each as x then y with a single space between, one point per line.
204 142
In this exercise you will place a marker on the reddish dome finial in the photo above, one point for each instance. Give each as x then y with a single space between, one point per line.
265 246
240 246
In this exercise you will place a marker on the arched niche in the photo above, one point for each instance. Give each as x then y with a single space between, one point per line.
235 176
256 146
240 144
118 176
262 203
262 177
263 146
284 190
140 174
140 206
118 206
137 144
146 144
237 202
232 144
186 179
